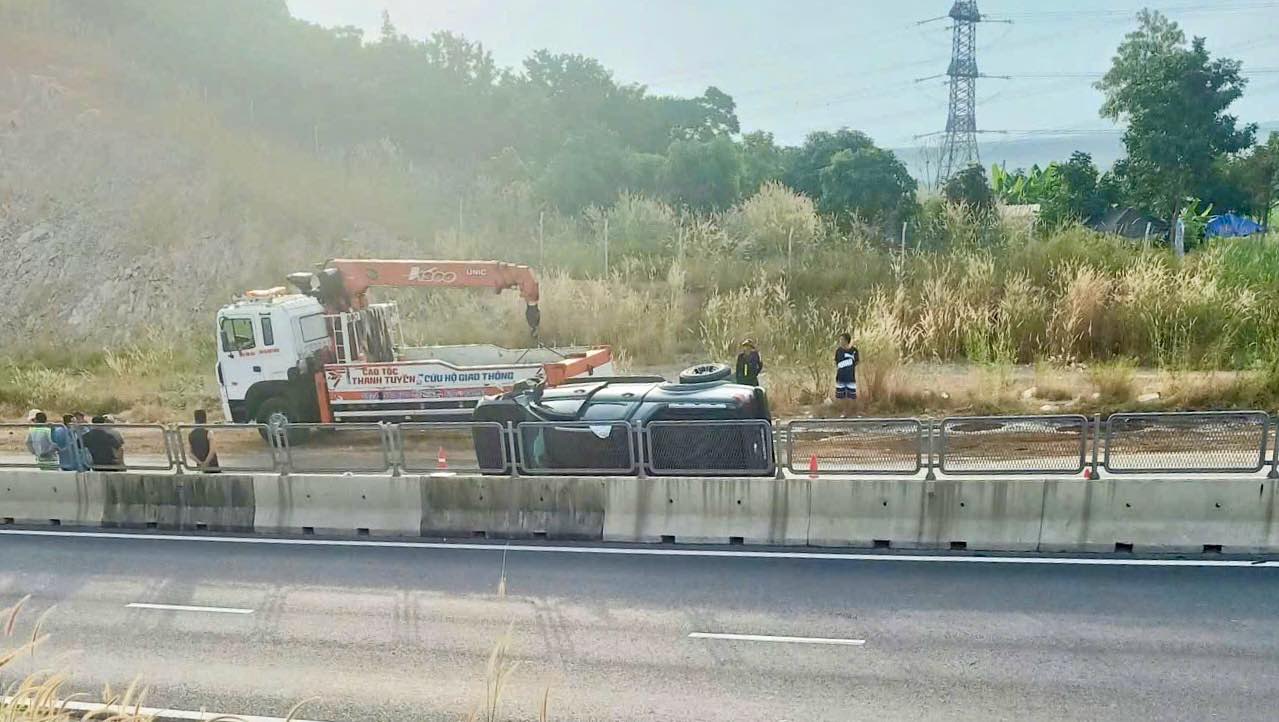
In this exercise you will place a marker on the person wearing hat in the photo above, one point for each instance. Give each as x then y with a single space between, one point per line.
40 440
749 364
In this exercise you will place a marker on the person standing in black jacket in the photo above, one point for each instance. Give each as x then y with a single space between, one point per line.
105 446
846 358
749 364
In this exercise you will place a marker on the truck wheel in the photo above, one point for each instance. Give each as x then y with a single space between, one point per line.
280 410
705 373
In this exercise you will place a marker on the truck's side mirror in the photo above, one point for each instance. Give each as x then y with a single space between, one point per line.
226 341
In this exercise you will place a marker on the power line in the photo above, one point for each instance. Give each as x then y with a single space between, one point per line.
1097 76
1194 8
1058 131
870 36
991 45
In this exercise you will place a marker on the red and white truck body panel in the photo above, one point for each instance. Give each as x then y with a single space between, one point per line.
437 387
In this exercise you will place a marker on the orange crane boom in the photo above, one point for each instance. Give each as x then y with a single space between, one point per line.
359 275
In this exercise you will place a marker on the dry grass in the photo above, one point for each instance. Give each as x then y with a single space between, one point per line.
497 674
39 697
645 321
776 221
1113 382
1051 384
154 379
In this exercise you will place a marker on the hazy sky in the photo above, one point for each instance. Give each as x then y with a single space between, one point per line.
800 65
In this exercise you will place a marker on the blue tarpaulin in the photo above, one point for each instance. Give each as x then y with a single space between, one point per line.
1229 225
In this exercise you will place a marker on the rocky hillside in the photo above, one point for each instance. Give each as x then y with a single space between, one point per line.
127 207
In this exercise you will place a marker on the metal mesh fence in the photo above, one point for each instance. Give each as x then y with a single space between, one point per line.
582 447
1200 442
1013 445
1229 441
237 447
327 448
450 446
861 446
713 448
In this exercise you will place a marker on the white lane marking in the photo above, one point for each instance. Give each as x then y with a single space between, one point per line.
770 638
164 715
186 608
662 552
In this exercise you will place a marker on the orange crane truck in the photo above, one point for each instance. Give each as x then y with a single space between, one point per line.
327 354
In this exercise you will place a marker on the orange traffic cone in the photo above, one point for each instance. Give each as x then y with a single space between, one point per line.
441 460
812 466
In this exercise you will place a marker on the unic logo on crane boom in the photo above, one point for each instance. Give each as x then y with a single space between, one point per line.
431 275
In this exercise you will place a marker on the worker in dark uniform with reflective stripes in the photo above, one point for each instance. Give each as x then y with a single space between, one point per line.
846 359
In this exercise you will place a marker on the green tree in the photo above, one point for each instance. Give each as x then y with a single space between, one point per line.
1075 196
1227 189
706 175
869 183
712 114
1256 174
1174 98
969 187
762 161
589 170
804 164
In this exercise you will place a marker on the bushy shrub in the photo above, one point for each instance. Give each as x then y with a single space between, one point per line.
776 220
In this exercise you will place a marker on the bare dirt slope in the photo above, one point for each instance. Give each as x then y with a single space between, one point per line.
126 206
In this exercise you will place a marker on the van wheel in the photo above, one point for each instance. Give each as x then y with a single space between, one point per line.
278 410
705 373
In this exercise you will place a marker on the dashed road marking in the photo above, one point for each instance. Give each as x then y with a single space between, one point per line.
770 638
188 608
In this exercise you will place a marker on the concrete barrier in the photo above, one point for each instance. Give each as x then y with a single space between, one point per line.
216 502
866 512
377 505
707 510
995 514
64 498
1160 515
1182 514
524 508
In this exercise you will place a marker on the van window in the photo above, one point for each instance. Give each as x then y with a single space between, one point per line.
268 333
237 334
313 327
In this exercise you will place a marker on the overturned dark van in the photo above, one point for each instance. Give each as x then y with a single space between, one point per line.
588 426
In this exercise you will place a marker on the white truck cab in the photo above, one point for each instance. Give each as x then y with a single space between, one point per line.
270 345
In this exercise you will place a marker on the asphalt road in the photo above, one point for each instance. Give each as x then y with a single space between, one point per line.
382 633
